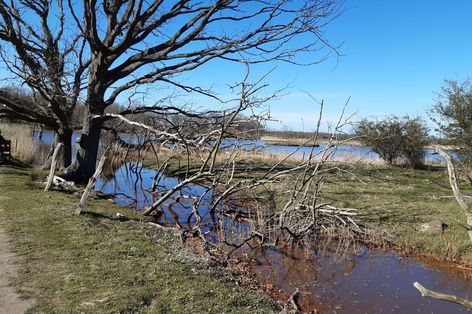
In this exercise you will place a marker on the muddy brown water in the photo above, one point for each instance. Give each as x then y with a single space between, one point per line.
356 281
370 282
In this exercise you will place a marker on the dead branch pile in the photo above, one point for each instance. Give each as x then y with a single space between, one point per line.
208 150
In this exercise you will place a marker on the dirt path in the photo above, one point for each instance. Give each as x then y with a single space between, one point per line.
10 301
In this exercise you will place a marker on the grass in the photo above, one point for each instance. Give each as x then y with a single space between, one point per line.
96 264
397 200
392 200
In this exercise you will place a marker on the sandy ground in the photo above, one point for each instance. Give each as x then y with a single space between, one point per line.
10 301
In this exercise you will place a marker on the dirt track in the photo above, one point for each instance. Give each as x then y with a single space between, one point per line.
10 301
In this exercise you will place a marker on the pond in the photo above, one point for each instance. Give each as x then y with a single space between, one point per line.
358 281
343 152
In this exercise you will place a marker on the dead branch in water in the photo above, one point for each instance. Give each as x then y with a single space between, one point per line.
209 153
442 296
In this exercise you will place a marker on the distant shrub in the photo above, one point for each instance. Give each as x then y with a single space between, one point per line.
395 138
452 113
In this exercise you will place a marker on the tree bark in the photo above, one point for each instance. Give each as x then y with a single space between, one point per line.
63 136
57 149
83 167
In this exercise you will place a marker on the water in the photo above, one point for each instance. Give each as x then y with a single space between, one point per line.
343 152
372 282
359 281
131 185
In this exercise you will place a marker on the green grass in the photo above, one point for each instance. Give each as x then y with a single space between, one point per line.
397 200
391 199
95 264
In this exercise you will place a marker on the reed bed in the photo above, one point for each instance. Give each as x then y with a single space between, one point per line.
23 145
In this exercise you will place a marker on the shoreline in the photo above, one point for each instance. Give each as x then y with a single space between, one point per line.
102 264
277 141
412 250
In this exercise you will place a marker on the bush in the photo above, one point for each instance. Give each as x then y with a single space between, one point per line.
395 138
452 112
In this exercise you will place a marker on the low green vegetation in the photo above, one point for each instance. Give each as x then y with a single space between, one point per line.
96 264
392 201
396 201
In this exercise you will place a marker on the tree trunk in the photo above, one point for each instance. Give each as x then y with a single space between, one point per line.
83 167
57 150
453 181
91 183
63 136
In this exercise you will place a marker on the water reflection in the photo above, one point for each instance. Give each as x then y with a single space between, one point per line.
132 186
372 282
355 281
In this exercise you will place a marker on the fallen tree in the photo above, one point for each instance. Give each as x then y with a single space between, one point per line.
210 154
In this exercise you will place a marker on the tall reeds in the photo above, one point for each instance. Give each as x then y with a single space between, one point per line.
23 145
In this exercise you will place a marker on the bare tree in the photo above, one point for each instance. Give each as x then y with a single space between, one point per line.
41 50
134 43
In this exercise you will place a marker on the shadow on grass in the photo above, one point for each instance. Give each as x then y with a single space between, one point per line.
100 217
15 163
14 167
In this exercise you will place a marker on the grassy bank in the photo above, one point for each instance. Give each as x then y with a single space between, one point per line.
392 201
397 201
294 141
96 264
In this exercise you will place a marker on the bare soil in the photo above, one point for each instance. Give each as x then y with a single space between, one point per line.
10 301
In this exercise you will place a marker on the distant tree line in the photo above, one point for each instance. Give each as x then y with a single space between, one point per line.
289 134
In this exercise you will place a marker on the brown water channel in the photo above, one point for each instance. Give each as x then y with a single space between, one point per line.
358 281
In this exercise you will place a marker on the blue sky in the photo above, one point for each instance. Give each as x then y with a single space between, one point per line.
396 55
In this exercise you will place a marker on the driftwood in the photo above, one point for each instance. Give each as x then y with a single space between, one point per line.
91 183
460 198
442 296
293 301
55 155
64 184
